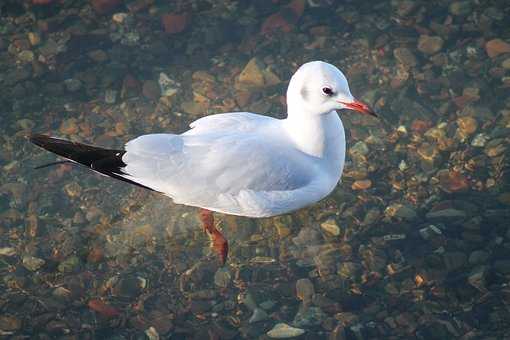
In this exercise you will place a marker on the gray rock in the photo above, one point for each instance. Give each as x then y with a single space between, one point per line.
454 260
258 315
502 266
478 257
446 214
477 278
312 316
267 305
403 211
72 84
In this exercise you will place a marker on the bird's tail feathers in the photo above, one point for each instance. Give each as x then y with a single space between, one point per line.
105 161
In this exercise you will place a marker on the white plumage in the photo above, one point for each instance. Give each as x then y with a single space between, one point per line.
252 165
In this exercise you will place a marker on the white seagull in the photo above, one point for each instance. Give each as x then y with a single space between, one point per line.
239 163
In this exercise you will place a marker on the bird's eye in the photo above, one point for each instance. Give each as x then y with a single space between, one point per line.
327 91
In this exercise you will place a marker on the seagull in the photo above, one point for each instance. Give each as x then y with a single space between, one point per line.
239 163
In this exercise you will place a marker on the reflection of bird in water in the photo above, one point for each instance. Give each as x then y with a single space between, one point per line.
239 163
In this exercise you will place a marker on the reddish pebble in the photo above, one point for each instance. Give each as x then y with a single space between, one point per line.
102 308
361 184
130 86
298 7
420 126
285 19
105 6
95 255
496 47
453 181
174 23
274 23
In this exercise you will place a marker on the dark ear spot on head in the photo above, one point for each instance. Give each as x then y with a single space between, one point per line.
304 92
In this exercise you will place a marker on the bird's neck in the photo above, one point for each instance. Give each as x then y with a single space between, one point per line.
319 136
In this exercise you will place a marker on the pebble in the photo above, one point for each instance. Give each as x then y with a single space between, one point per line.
110 96
69 265
72 189
429 231
478 257
502 266
152 333
252 75
361 184
248 300
283 224
222 277
174 23
452 181
480 140
312 316
69 126
446 214
405 56
103 7
399 210
506 64
284 331
32 263
72 84
151 90
496 47
461 8
304 289
467 125
168 86
258 315
7 251
430 44
267 305
476 278
119 18
99 56
331 227
131 286
359 148
34 38
26 56
9 323
495 147
348 270
454 260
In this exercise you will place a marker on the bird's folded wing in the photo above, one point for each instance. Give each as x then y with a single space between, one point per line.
221 169
234 121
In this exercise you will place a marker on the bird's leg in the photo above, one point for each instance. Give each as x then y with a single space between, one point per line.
219 243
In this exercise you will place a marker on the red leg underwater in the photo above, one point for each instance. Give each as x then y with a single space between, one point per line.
219 242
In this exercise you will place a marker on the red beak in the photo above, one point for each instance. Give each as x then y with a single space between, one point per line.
360 107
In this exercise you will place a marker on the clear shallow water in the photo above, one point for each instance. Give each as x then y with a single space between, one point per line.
413 243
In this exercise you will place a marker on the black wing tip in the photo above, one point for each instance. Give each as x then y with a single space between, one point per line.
39 139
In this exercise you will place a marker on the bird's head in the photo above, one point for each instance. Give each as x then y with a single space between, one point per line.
319 88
